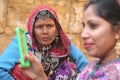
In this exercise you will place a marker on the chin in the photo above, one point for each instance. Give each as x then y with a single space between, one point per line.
91 54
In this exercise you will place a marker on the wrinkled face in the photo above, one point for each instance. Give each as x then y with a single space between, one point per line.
45 31
98 36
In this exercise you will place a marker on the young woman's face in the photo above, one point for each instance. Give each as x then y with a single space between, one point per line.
45 31
99 39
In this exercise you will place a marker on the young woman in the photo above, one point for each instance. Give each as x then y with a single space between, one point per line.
47 41
101 34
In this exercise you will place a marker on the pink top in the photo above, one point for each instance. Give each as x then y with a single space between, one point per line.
97 71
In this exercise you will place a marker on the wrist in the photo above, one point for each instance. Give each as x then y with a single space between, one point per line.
41 77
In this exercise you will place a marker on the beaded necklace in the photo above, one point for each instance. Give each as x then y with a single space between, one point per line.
49 63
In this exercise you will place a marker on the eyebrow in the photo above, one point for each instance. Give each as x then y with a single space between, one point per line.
89 21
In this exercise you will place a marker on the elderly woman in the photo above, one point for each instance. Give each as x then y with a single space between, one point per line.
47 41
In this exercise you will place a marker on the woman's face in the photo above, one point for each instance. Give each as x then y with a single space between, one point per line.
98 36
45 31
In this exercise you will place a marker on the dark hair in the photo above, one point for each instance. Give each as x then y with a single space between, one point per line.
43 14
107 9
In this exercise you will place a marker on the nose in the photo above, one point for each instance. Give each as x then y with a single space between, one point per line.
45 30
85 33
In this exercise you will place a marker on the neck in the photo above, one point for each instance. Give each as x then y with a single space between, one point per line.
46 48
108 58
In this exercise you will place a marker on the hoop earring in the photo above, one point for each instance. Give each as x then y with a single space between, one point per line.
117 46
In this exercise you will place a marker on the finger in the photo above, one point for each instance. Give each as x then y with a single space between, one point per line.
32 58
20 67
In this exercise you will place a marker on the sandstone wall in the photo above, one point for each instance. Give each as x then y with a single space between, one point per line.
14 13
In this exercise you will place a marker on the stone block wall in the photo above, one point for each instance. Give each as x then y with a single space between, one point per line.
14 13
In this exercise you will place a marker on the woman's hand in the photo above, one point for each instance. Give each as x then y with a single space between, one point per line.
35 71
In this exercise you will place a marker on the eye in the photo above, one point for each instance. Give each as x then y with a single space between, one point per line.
93 26
38 27
50 25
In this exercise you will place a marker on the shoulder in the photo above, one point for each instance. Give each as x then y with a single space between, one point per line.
73 47
13 45
112 69
72 44
114 65
88 68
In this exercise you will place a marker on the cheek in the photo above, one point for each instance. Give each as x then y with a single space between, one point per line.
99 39
104 44
37 34
102 37
52 31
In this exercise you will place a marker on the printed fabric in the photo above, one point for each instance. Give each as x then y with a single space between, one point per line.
65 70
97 71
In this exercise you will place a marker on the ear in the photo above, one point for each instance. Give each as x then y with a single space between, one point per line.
117 29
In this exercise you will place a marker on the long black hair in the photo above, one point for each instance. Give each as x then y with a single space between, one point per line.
109 10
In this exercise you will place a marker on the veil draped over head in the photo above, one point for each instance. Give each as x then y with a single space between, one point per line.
62 47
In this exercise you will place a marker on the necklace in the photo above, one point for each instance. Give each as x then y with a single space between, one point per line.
49 63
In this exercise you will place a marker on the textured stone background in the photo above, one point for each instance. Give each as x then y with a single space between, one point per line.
14 13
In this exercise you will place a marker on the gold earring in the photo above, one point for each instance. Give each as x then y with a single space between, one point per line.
117 46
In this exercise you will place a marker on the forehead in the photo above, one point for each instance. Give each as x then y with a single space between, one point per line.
91 10
46 20
90 13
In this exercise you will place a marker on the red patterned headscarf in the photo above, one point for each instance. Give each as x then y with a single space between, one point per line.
60 49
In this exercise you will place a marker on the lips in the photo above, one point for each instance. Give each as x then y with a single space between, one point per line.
88 45
45 38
